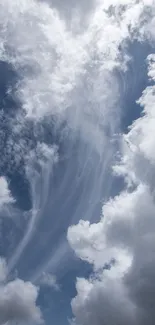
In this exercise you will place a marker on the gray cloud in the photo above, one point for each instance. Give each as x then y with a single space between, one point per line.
18 302
76 13
17 299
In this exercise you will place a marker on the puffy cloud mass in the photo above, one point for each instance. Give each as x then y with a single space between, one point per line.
18 302
17 299
121 247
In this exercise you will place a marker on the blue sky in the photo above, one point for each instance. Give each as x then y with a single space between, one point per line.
77 162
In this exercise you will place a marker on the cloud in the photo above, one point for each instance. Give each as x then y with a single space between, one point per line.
39 165
71 74
102 302
3 270
58 68
75 13
18 302
49 280
121 246
68 76
5 194
17 299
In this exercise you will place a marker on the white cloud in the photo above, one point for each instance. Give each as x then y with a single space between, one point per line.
49 280
73 76
125 293
17 299
58 67
5 195
40 163
18 302
68 74
39 167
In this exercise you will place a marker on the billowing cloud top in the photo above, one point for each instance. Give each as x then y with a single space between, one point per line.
17 299
18 302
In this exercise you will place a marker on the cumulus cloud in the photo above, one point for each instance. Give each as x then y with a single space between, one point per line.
17 299
102 302
121 246
18 302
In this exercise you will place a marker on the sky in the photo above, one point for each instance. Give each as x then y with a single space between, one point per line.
77 162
